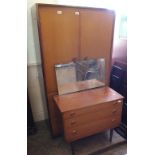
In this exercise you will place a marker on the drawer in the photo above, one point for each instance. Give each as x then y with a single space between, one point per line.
101 114
93 127
91 109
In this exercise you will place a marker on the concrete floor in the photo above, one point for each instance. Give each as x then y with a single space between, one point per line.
42 143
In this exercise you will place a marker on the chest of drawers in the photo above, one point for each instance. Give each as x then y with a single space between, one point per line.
89 112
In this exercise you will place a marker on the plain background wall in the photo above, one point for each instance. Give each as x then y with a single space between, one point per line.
35 83
119 44
32 40
120 51
34 70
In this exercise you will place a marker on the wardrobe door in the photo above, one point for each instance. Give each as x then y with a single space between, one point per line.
96 35
59 39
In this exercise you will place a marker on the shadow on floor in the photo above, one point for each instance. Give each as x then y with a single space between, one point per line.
42 143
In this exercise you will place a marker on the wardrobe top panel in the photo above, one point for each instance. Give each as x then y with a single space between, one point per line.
70 6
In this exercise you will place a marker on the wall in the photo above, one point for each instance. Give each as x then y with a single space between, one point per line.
120 51
36 92
32 37
34 71
119 45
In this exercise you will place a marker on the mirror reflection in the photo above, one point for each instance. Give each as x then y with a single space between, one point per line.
80 75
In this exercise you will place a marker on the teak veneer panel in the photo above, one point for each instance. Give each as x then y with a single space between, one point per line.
91 128
59 35
92 116
86 98
92 109
97 35
89 112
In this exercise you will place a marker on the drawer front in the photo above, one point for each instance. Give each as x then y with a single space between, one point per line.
92 109
90 128
101 114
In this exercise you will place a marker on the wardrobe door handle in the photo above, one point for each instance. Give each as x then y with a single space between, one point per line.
59 12
77 13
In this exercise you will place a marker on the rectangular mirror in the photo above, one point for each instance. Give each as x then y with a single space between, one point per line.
80 75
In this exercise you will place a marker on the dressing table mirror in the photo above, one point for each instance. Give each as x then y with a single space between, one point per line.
79 75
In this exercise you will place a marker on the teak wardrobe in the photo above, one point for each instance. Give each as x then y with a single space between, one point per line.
65 33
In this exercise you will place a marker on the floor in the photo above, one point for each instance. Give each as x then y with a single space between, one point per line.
42 143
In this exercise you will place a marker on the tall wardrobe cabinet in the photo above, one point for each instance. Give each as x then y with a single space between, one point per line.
71 32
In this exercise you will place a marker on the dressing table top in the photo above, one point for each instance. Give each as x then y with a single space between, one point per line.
86 98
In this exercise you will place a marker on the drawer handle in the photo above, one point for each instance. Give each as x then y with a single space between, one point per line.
114 111
73 122
72 113
74 132
77 13
119 101
113 120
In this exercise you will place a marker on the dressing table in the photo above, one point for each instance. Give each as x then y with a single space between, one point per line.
89 112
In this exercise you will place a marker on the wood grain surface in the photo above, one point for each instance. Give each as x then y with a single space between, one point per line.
86 98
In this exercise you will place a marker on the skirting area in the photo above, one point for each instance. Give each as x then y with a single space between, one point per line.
42 143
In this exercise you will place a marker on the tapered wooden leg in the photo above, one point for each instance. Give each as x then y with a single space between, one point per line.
71 144
111 134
